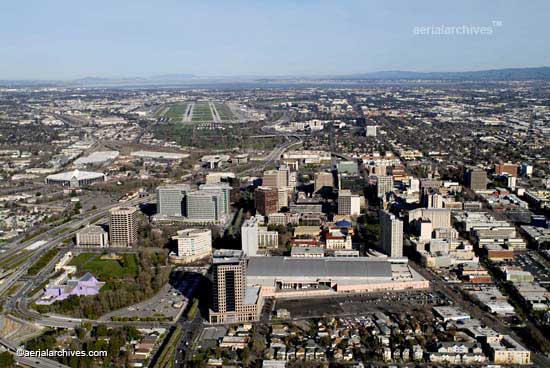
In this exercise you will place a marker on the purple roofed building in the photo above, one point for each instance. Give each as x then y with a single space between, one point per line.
86 285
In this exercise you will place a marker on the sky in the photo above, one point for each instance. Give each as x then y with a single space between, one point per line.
60 40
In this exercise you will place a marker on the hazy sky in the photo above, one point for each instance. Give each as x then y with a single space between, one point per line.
58 39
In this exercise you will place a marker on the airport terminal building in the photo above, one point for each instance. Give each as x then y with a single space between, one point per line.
291 277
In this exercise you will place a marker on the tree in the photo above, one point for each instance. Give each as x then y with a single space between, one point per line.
6 360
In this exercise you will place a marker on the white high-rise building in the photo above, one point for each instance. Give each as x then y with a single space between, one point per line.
348 204
371 130
249 237
391 234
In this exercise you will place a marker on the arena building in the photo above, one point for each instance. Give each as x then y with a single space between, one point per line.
75 179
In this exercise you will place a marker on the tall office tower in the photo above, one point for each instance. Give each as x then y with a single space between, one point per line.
193 244
222 187
266 200
276 178
123 226
171 200
205 205
249 237
323 179
232 301
432 200
282 197
391 234
284 175
384 184
371 130
271 179
348 204
476 179
507 168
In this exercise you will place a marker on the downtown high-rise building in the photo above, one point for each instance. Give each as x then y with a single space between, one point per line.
391 234
276 178
323 179
222 187
476 179
123 226
384 184
171 200
249 237
232 301
266 200
205 206
348 204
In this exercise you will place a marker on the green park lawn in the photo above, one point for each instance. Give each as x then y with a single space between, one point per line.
106 269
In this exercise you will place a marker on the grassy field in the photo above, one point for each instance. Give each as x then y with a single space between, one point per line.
229 137
176 112
225 112
202 112
105 269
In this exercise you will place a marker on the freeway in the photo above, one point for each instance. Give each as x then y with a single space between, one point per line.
275 154
31 362
191 332
53 237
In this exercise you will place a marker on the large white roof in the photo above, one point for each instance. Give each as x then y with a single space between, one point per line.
76 174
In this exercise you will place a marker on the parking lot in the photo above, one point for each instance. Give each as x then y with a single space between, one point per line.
534 263
167 304
359 303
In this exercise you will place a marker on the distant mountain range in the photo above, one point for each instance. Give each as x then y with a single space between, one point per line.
182 79
540 73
